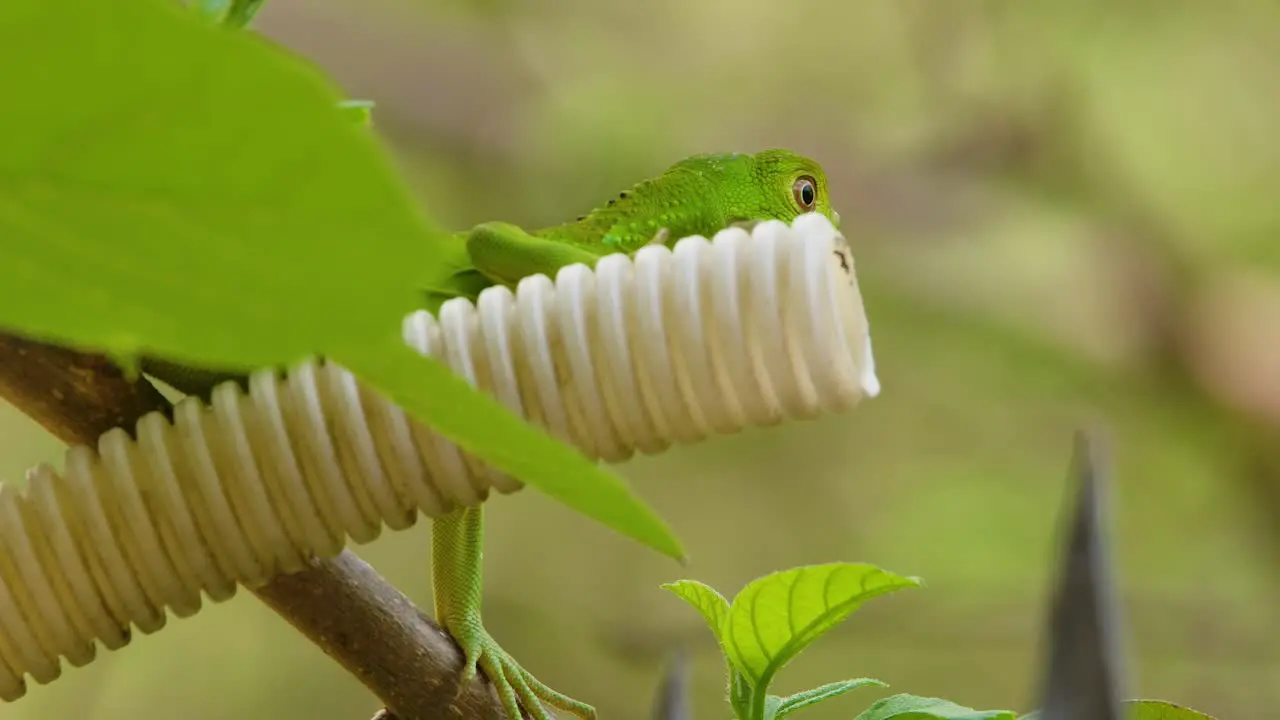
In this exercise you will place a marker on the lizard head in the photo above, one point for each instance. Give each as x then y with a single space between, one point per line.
790 185
744 189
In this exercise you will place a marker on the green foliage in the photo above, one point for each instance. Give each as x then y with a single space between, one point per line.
359 110
201 185
777 616
804 699
705 599
774 618
232 13
242 12
172 188
1161 710
914 707
1149 710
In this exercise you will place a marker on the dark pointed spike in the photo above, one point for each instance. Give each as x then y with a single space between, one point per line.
1083 678
581 218
672 700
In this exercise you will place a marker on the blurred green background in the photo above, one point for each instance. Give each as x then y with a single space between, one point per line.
1062 211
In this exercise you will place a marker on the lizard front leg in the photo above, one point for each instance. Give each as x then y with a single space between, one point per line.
457 541
506 254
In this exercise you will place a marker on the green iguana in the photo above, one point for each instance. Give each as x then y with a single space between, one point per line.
700 195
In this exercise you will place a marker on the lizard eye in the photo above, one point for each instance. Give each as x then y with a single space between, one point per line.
805 192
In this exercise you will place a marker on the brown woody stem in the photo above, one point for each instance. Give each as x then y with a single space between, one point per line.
342 605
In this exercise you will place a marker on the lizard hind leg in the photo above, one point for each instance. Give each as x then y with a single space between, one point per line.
456 565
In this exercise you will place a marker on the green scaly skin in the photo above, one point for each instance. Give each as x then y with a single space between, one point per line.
700 195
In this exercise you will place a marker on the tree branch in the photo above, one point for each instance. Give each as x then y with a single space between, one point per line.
342 605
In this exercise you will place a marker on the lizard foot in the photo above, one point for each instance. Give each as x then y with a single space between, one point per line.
516 687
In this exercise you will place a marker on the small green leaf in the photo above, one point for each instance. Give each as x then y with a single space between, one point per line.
777 616
772 704
242 12
739 692
914 707
212 10
1149 710
704 599
232 13
1162 710
360 111
791 703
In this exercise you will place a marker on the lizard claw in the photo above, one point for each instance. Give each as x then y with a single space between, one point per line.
661 237
516 687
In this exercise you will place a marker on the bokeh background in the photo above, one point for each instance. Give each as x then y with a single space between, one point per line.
1062 211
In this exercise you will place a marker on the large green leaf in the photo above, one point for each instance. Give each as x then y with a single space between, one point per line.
914 707
174 187
192 191
777 616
